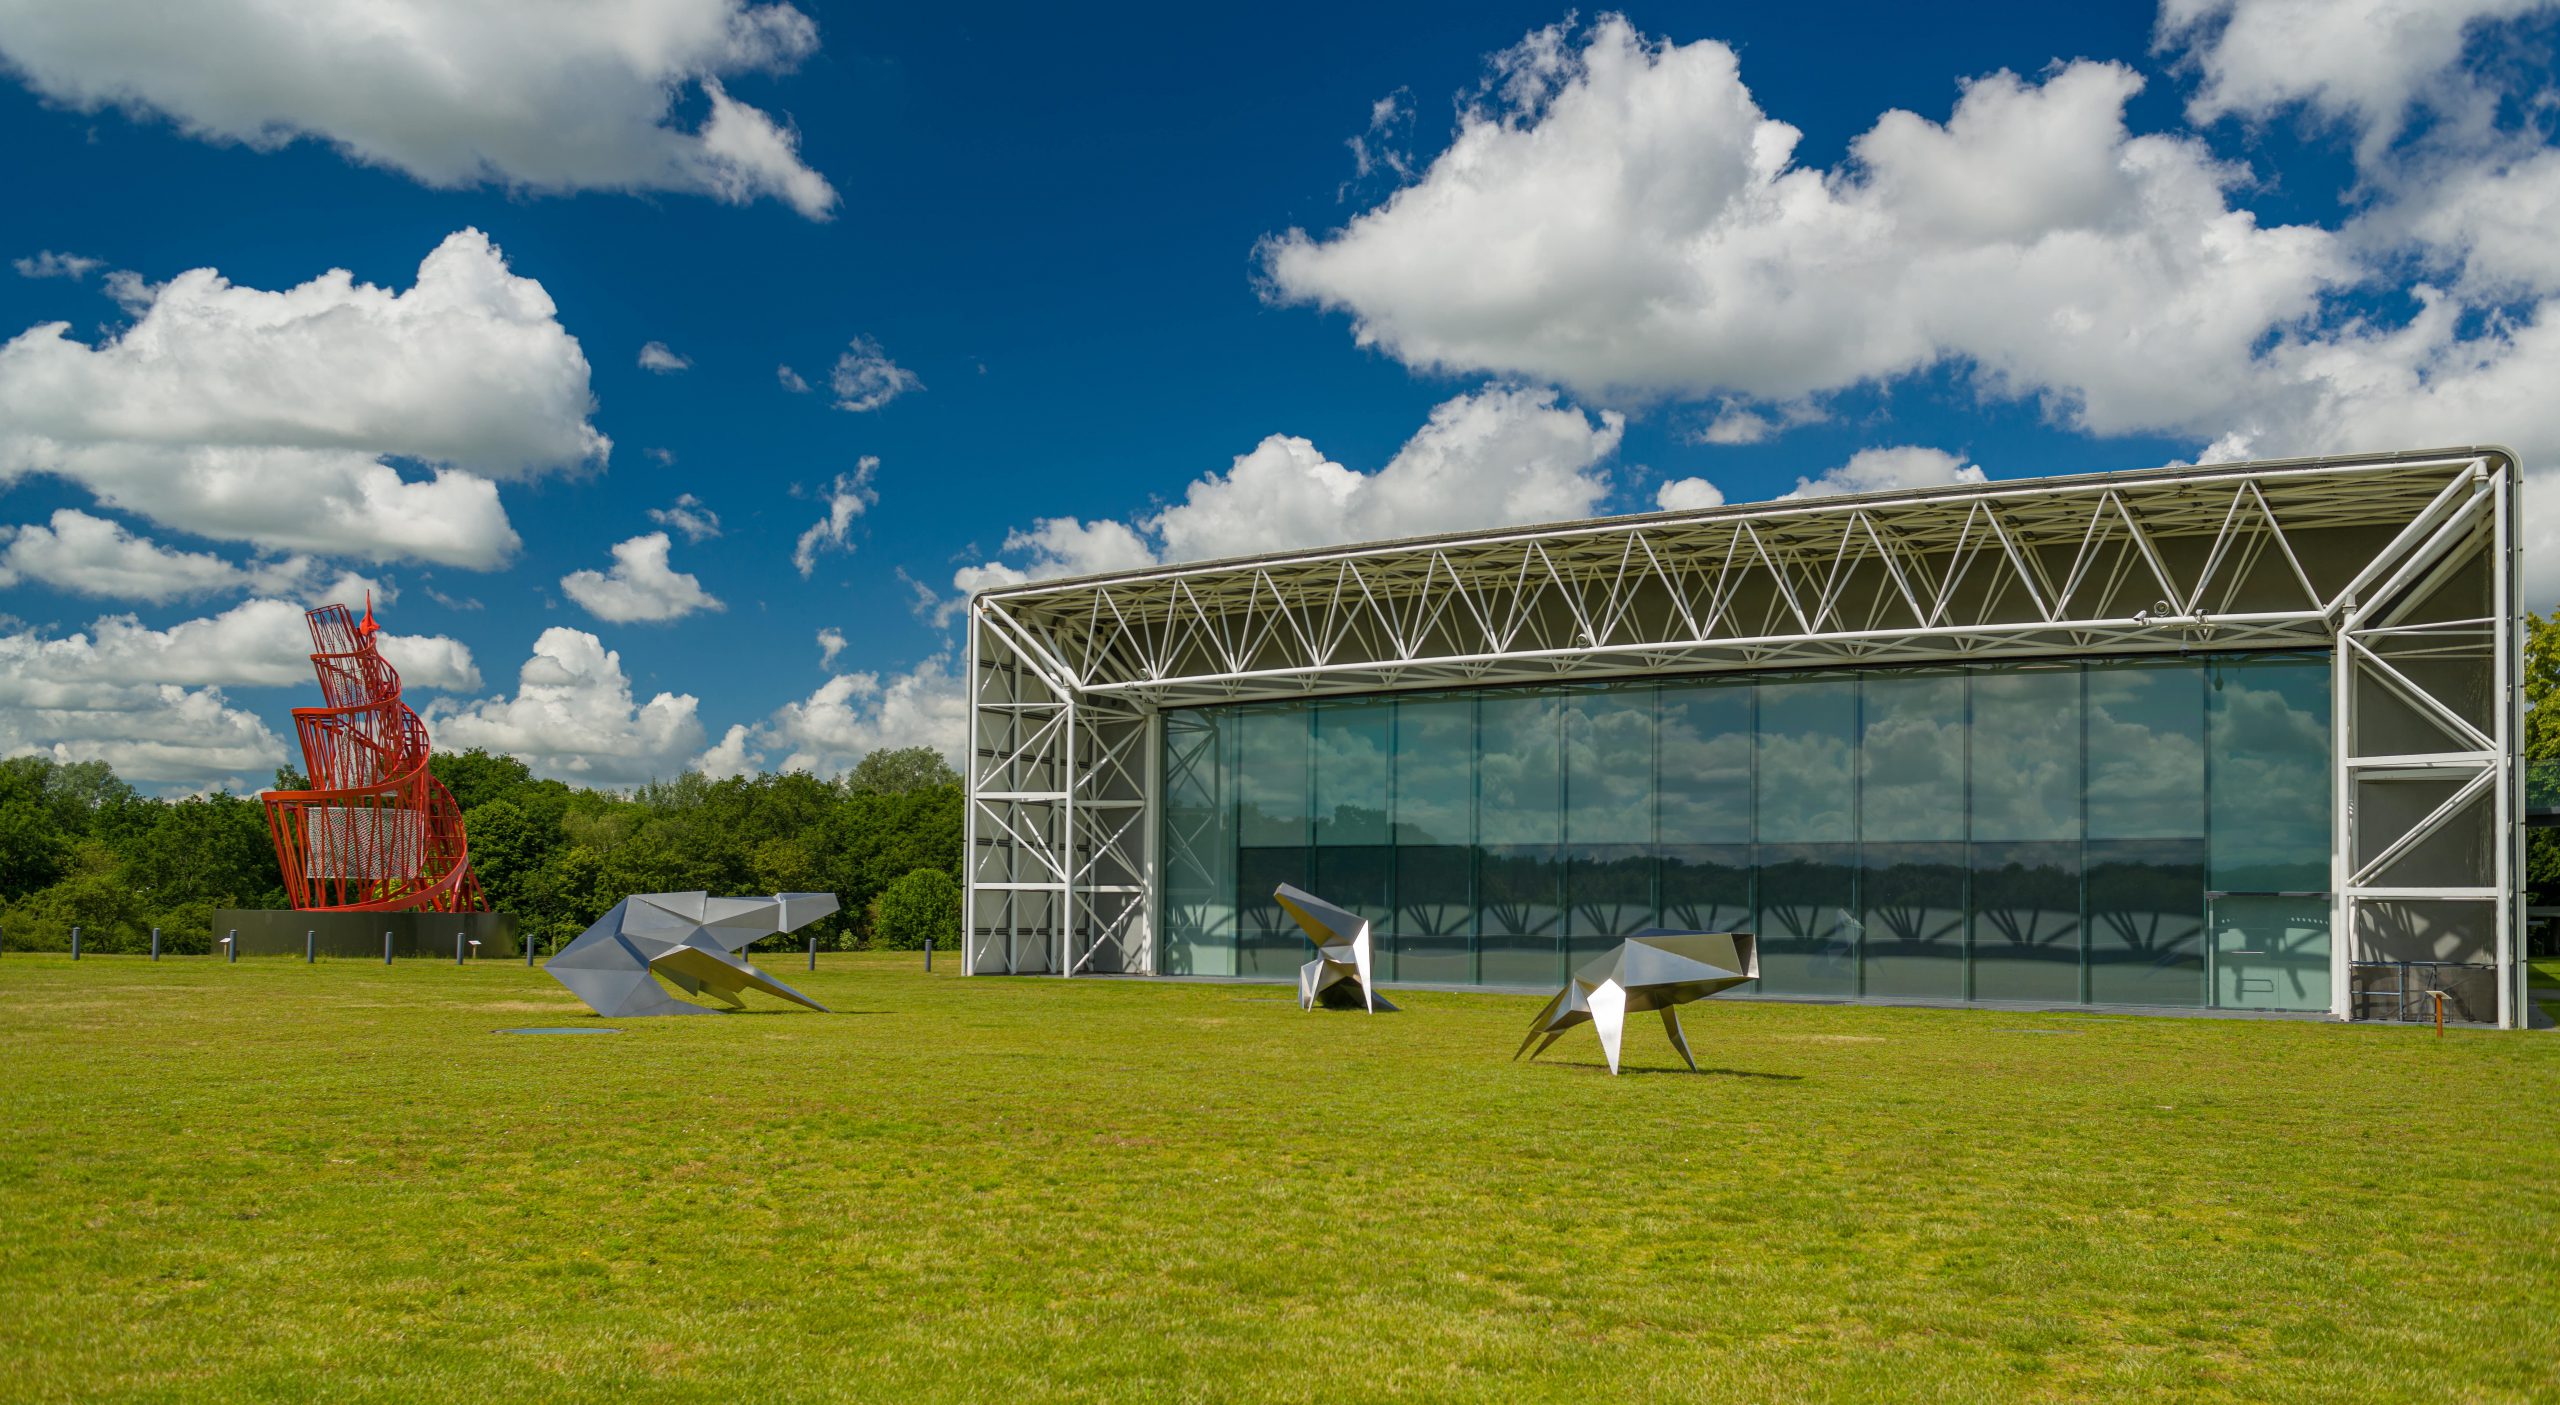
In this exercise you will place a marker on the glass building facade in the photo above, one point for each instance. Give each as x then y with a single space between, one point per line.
2141 831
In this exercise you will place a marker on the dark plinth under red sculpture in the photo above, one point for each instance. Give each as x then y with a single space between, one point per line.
375 832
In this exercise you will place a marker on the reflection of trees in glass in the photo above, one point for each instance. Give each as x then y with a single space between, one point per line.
1519 891
1609 889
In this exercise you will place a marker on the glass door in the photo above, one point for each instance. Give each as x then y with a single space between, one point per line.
2270 951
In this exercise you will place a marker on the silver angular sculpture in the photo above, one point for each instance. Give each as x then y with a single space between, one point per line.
1342 954
690 939
1656 969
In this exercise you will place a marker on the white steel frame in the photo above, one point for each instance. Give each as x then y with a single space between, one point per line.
2357 555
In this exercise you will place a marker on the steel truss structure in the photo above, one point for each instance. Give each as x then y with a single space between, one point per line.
2404 565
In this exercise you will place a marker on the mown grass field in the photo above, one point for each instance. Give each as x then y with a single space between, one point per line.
276 1182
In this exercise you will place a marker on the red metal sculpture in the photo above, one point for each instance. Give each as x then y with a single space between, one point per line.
375 832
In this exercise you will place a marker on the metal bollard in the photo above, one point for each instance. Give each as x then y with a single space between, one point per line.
75 943
155 943
232 944
813 953
528 950
928 955
310 947
386 948
457 948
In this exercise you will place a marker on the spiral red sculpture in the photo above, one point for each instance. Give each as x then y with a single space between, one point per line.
375 832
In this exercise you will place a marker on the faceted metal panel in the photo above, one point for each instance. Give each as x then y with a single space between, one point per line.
691 940
1653 970
1339 976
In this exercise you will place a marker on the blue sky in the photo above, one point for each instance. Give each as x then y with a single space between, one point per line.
2152 234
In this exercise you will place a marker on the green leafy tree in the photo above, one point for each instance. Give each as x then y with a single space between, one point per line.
2542 753
923 903
475 777
899 771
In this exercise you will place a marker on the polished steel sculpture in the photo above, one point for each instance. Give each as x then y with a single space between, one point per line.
1339 976
1656 969
690 939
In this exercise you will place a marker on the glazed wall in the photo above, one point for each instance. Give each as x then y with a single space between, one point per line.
2150 831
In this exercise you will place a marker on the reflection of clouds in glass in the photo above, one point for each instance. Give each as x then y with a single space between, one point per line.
1516 769
1609 767
1914 758
1271 776
2026 754
1706 764
2269 730
1351 759
2146 752
1435 771
1808 758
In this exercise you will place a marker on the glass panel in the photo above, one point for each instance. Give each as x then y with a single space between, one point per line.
2146 750
2026 922
1609 895
1912 757
1913 942
1435 914
1271 777
1609 766
1808 925
1199 846
1358 879
1519 915
1705 763
2026 755
2146 922
1520 768
1707 887
1269 942
1807 776
2270 953
1353 741
2267 733
1435 785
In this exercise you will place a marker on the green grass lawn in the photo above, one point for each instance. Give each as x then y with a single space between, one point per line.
268 1181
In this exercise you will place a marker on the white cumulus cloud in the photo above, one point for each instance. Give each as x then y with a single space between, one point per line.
1493 457
1688 495
689 516
542 97
267 417
1885 469
847 718
847 498
45 263
641 587
656 357
866 379
88 555
573 717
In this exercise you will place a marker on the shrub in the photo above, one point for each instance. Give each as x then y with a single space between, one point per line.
924 903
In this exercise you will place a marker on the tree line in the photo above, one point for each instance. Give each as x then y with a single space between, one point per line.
80 847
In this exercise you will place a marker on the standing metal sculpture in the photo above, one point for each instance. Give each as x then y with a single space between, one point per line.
373 831
1339 976
1656 969
691 939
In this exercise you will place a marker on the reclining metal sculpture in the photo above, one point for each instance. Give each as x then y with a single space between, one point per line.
692 940
1656 969
1342 954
